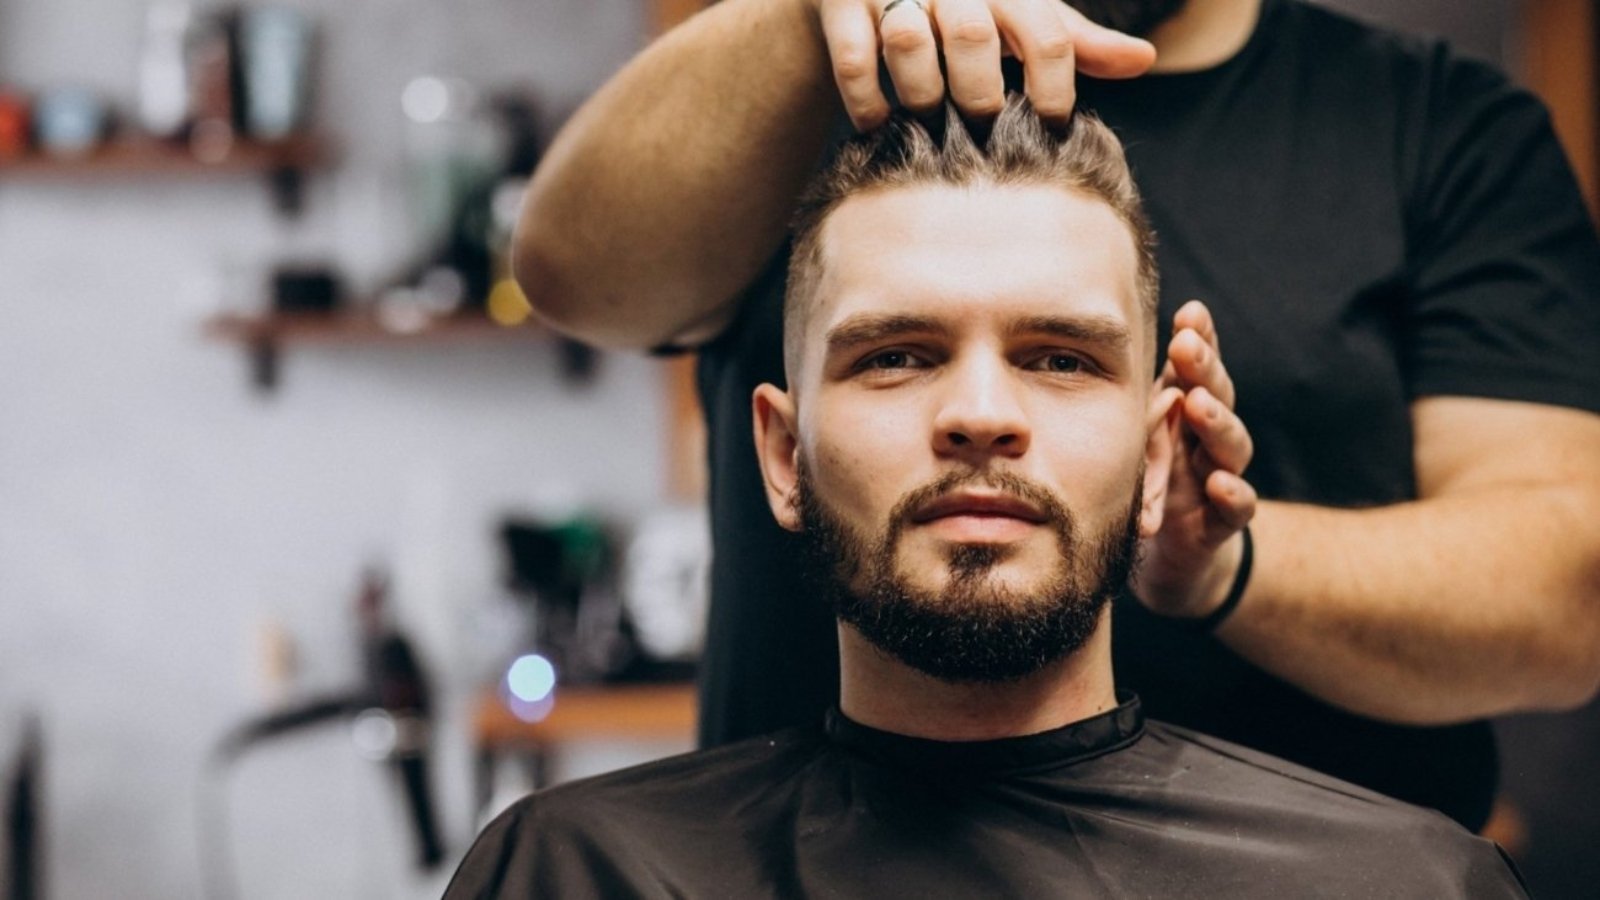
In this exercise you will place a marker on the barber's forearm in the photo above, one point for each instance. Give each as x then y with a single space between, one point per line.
1441 610
672 186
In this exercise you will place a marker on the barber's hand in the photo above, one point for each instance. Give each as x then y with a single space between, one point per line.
1052 40
1188 566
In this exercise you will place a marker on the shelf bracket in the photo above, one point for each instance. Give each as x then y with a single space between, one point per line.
264 364
287 184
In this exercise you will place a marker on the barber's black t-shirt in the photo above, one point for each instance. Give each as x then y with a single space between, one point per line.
1371 220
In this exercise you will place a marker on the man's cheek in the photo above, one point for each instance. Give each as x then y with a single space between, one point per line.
846 480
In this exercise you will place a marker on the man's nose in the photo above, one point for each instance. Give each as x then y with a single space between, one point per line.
981 414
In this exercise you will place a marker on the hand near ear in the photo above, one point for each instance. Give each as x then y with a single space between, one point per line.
1188 564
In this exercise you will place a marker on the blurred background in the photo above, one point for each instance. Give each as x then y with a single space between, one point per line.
300 518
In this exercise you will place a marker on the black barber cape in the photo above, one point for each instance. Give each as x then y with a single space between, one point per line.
1108 807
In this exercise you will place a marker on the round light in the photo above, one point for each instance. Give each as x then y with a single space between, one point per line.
425 99
531 678
374 734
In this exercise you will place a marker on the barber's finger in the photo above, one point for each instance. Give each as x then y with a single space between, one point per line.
1168 376
1196 316
1162 404
912 56
1232 500
1037 34
970 39
1219 430
1103 53
851 32
1198 363
1186 479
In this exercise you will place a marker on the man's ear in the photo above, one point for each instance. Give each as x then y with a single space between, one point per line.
1161 444
778 451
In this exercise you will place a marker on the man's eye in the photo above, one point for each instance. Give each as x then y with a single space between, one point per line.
1060 362
891 359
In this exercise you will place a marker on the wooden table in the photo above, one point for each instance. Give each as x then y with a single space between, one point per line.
622 712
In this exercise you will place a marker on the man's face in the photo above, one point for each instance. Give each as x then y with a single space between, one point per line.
969 422
1137 17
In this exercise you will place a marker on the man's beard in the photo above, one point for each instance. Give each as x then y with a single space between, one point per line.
974 630
1136 17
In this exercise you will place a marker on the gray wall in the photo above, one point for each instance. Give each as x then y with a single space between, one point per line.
154 512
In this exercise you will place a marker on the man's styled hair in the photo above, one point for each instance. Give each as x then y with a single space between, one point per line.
1019 150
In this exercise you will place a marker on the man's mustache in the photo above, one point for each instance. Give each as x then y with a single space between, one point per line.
1015 486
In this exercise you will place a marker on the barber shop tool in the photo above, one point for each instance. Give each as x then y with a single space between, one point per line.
389 714
563 570
587 625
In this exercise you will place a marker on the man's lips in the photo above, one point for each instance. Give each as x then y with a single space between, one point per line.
978 504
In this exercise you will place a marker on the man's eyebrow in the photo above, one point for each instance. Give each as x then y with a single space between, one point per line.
867 328
1104 331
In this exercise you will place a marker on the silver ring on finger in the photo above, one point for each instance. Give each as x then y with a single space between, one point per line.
894 4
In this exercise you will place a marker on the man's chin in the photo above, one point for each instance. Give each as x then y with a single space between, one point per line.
968 617
997 586
1012 567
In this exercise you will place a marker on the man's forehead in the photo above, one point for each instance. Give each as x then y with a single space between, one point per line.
1009 254
935 209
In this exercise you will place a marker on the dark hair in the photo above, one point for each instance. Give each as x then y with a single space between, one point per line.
1019 150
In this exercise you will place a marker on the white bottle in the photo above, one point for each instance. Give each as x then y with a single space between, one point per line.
163 73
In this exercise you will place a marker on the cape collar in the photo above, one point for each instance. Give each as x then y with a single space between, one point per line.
1086 739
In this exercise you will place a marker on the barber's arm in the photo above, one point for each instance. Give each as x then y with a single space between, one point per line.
1479 598
672 187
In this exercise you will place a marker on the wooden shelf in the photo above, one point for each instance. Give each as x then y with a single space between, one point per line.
264 336
283 163
142 156
357 328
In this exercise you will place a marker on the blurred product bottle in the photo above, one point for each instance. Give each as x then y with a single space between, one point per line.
212 65
456 149
69 121
275 49
163 102
507 305
519 116
14 124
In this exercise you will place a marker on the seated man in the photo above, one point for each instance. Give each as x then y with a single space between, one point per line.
972 446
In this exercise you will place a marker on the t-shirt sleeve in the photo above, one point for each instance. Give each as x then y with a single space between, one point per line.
1505 265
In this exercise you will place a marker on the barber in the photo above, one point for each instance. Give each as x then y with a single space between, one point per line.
1387 235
